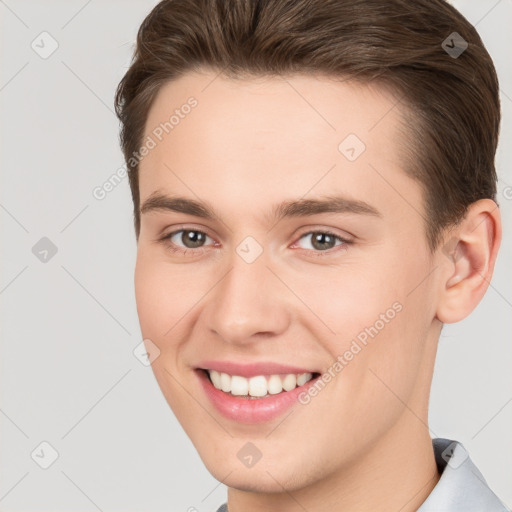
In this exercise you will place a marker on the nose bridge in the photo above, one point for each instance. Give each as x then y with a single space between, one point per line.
246 301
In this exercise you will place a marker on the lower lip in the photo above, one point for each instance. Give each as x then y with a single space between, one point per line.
246 410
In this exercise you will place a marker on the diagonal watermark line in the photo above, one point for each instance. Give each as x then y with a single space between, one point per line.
14 423
14 485
402 402
198 198
76 14
422 281
3 3
307 192
506 95
410 204
80 420
289 83
106 105
286 491
318 181
487 13
501 409
495 289
385 114
13 279
14 76
96 300
213 79
74 218
13 218
300 299
197 302
198 403
215 488
280 423
81 491
484 219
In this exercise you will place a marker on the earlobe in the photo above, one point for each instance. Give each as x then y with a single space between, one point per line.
467 261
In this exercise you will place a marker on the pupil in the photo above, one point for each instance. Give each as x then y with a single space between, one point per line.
320 239
193 237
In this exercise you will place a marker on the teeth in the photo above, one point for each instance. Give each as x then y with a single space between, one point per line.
259 385
239 385
215 376
303 378
275 384
290 382
225 382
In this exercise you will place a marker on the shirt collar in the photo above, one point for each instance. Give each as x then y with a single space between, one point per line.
461 487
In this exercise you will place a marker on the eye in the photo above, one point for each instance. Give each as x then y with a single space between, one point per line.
322 241
186 239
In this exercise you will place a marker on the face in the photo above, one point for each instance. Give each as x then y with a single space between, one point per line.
282 258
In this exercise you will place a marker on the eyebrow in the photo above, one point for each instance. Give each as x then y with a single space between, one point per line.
285 209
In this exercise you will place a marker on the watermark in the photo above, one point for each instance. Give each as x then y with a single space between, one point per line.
110 184
44 45
351 147
454 454
44 250
450 250
454 45
146 352
163 128
150 142
44 455
249 249
356 346
249 455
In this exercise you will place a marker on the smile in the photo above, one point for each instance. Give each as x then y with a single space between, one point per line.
263 393
259 386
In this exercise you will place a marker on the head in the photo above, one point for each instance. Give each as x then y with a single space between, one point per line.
334 165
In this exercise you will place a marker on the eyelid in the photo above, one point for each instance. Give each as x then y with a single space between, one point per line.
184 227
345 235
344 242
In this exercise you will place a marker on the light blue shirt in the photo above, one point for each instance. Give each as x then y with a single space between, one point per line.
461 487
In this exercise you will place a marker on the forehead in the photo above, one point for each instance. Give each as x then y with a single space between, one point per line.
259 139
231 109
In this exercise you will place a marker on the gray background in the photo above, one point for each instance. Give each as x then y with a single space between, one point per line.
69 325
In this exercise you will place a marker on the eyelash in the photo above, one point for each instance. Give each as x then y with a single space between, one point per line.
186 250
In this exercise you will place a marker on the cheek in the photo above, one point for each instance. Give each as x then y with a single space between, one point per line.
165 296
165 293
379 319
347 301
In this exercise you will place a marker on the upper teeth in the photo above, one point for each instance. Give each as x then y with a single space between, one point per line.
260 385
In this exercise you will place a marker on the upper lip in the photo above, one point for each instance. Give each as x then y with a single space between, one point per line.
252 369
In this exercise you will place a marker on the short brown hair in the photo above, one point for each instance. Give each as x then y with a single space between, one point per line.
453 109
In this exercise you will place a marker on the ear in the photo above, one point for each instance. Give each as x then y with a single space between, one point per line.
467 256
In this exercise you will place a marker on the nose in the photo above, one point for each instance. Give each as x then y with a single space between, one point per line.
248 304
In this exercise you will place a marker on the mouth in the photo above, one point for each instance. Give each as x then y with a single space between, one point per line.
254 398
258 386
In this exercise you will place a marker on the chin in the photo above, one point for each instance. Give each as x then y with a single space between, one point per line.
264 477
250 480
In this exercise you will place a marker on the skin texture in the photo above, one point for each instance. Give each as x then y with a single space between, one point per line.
363 442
